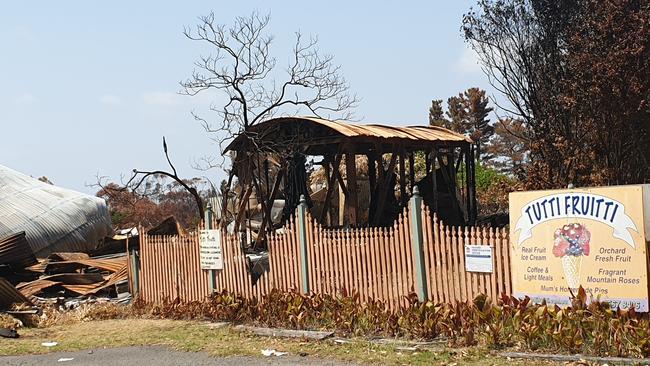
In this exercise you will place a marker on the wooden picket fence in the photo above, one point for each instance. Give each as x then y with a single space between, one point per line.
170 268
376 263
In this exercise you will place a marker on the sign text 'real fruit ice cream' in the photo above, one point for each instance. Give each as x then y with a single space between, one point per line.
594 238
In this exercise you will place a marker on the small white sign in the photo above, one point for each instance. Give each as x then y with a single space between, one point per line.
478 258
210 249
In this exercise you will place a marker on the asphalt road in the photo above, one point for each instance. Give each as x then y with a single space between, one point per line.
154 355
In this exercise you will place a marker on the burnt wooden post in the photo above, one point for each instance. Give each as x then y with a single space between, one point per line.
325 212
472 191
402 178
468 184
372 180
351 178
418 246
302 234
412 170
434 182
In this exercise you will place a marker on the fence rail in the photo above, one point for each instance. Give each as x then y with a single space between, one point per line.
377 263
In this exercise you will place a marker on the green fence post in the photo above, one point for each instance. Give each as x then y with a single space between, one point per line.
418 245
208 226
302 232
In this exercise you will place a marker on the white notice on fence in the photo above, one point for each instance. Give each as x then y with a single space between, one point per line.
478 258
210 247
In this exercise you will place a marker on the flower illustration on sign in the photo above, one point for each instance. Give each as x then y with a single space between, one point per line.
571 243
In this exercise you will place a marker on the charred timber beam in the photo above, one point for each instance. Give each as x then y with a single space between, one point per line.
351 203
412 170
452 191
372 180
242 205
434 178
467 153
224 199
402 178
269 205
330 185
472 176
382 188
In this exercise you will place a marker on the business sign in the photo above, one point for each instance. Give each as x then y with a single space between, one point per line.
211 256
594 238
478 258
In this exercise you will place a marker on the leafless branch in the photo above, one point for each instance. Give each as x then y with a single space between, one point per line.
240 67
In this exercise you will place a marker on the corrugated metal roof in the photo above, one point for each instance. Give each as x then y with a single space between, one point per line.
348 129
424 133
54 218
10 296
16 252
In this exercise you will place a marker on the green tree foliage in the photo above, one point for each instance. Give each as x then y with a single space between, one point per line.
575 74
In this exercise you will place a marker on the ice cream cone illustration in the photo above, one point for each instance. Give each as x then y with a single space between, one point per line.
571 243
571 265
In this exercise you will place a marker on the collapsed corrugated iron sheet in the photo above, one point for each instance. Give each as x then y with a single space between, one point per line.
32 288
109 264
113 279
10 296
54 218
168 226
59 256
16 252
79 283
351 130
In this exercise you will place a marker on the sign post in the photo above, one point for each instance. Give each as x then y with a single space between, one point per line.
210 249
593 238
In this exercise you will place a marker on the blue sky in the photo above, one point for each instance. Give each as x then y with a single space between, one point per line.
90 88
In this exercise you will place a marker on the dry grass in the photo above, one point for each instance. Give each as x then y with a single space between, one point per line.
53 316
195 336
8 321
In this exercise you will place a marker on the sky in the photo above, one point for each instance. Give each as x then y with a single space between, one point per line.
88 89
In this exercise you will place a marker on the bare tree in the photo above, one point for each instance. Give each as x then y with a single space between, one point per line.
242 68
138 183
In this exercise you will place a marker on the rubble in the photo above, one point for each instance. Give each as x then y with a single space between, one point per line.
64 279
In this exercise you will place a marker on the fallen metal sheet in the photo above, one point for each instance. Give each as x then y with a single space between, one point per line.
111 265
9 295
83 289
16 252
62 256
79 283
30 289
8 333
75 278
39 267
35 287
168 226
